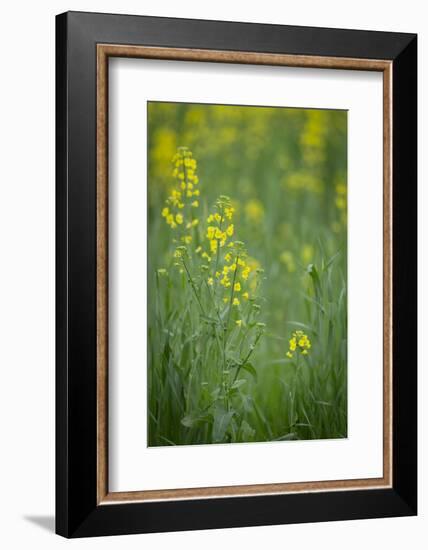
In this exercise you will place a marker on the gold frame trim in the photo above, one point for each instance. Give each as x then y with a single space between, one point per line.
104 51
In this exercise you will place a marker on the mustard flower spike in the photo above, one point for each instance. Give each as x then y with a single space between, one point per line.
299 341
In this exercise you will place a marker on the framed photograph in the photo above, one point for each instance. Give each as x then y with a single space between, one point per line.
236 274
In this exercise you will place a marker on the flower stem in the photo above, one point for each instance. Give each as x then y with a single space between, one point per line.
193 286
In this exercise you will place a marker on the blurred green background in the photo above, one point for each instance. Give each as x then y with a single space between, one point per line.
285 171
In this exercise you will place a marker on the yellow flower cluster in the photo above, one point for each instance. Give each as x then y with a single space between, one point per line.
183 194
220 228
299 341
235 272
223 263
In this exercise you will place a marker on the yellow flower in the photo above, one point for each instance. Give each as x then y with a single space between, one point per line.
299 341
217 217
228 211
217 274
187 239
165 212
228 257
205 255
225 281
225 299
218 233
196 192
235 302
193 223
170 221
239 322
237 287
213 245
289 354
211 229
210 281
195 204
210 218
179 219
245 273
190 163
198 249
246 295
229 230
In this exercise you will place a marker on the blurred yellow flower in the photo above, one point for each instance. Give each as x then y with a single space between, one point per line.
246 272
307 253
340 203
254 211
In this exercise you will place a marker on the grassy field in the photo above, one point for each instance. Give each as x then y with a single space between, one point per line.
247 274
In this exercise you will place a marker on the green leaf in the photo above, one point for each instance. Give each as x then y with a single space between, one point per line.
215 394
221 423
312 270
249 368
331 260
196 419
246 432
238 383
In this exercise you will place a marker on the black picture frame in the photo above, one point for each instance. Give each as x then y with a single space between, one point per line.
77 512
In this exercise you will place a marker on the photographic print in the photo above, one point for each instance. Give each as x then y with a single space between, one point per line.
235 274
247 274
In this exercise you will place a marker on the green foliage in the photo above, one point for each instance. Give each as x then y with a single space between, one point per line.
216 372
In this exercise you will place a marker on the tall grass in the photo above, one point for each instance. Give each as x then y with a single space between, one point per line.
233 277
